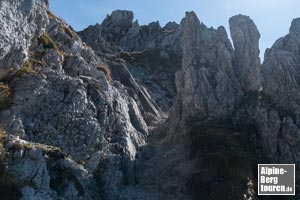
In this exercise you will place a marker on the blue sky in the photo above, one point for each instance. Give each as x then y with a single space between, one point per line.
272 17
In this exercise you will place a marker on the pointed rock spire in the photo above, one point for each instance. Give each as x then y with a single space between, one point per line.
245 38
117 24
295 26
191 38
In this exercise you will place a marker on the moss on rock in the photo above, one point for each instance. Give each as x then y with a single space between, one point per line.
9 184
5 96
27 68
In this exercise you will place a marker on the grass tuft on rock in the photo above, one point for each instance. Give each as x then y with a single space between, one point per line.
2 145
48 43
28 146
5 96
27 68
50 15
68 30
9 184
106 70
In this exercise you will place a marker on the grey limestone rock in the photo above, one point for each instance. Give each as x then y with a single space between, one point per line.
295 26
152 53
116 25
280 85
207 87
85 121
219 86
280 71
245 38
65 101
20 22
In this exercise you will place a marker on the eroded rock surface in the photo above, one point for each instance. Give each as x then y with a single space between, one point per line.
150 52
207 86
20 22
245 37
227 88
63 98
84 120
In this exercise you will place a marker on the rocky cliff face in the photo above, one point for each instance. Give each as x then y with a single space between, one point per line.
15 37
227 93
82 114
72 132
280 83
245 37
207 86
151 53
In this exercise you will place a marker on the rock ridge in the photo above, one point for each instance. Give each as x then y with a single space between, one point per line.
128 111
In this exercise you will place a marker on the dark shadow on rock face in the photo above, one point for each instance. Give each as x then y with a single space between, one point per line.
226 164
9 185
224 167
